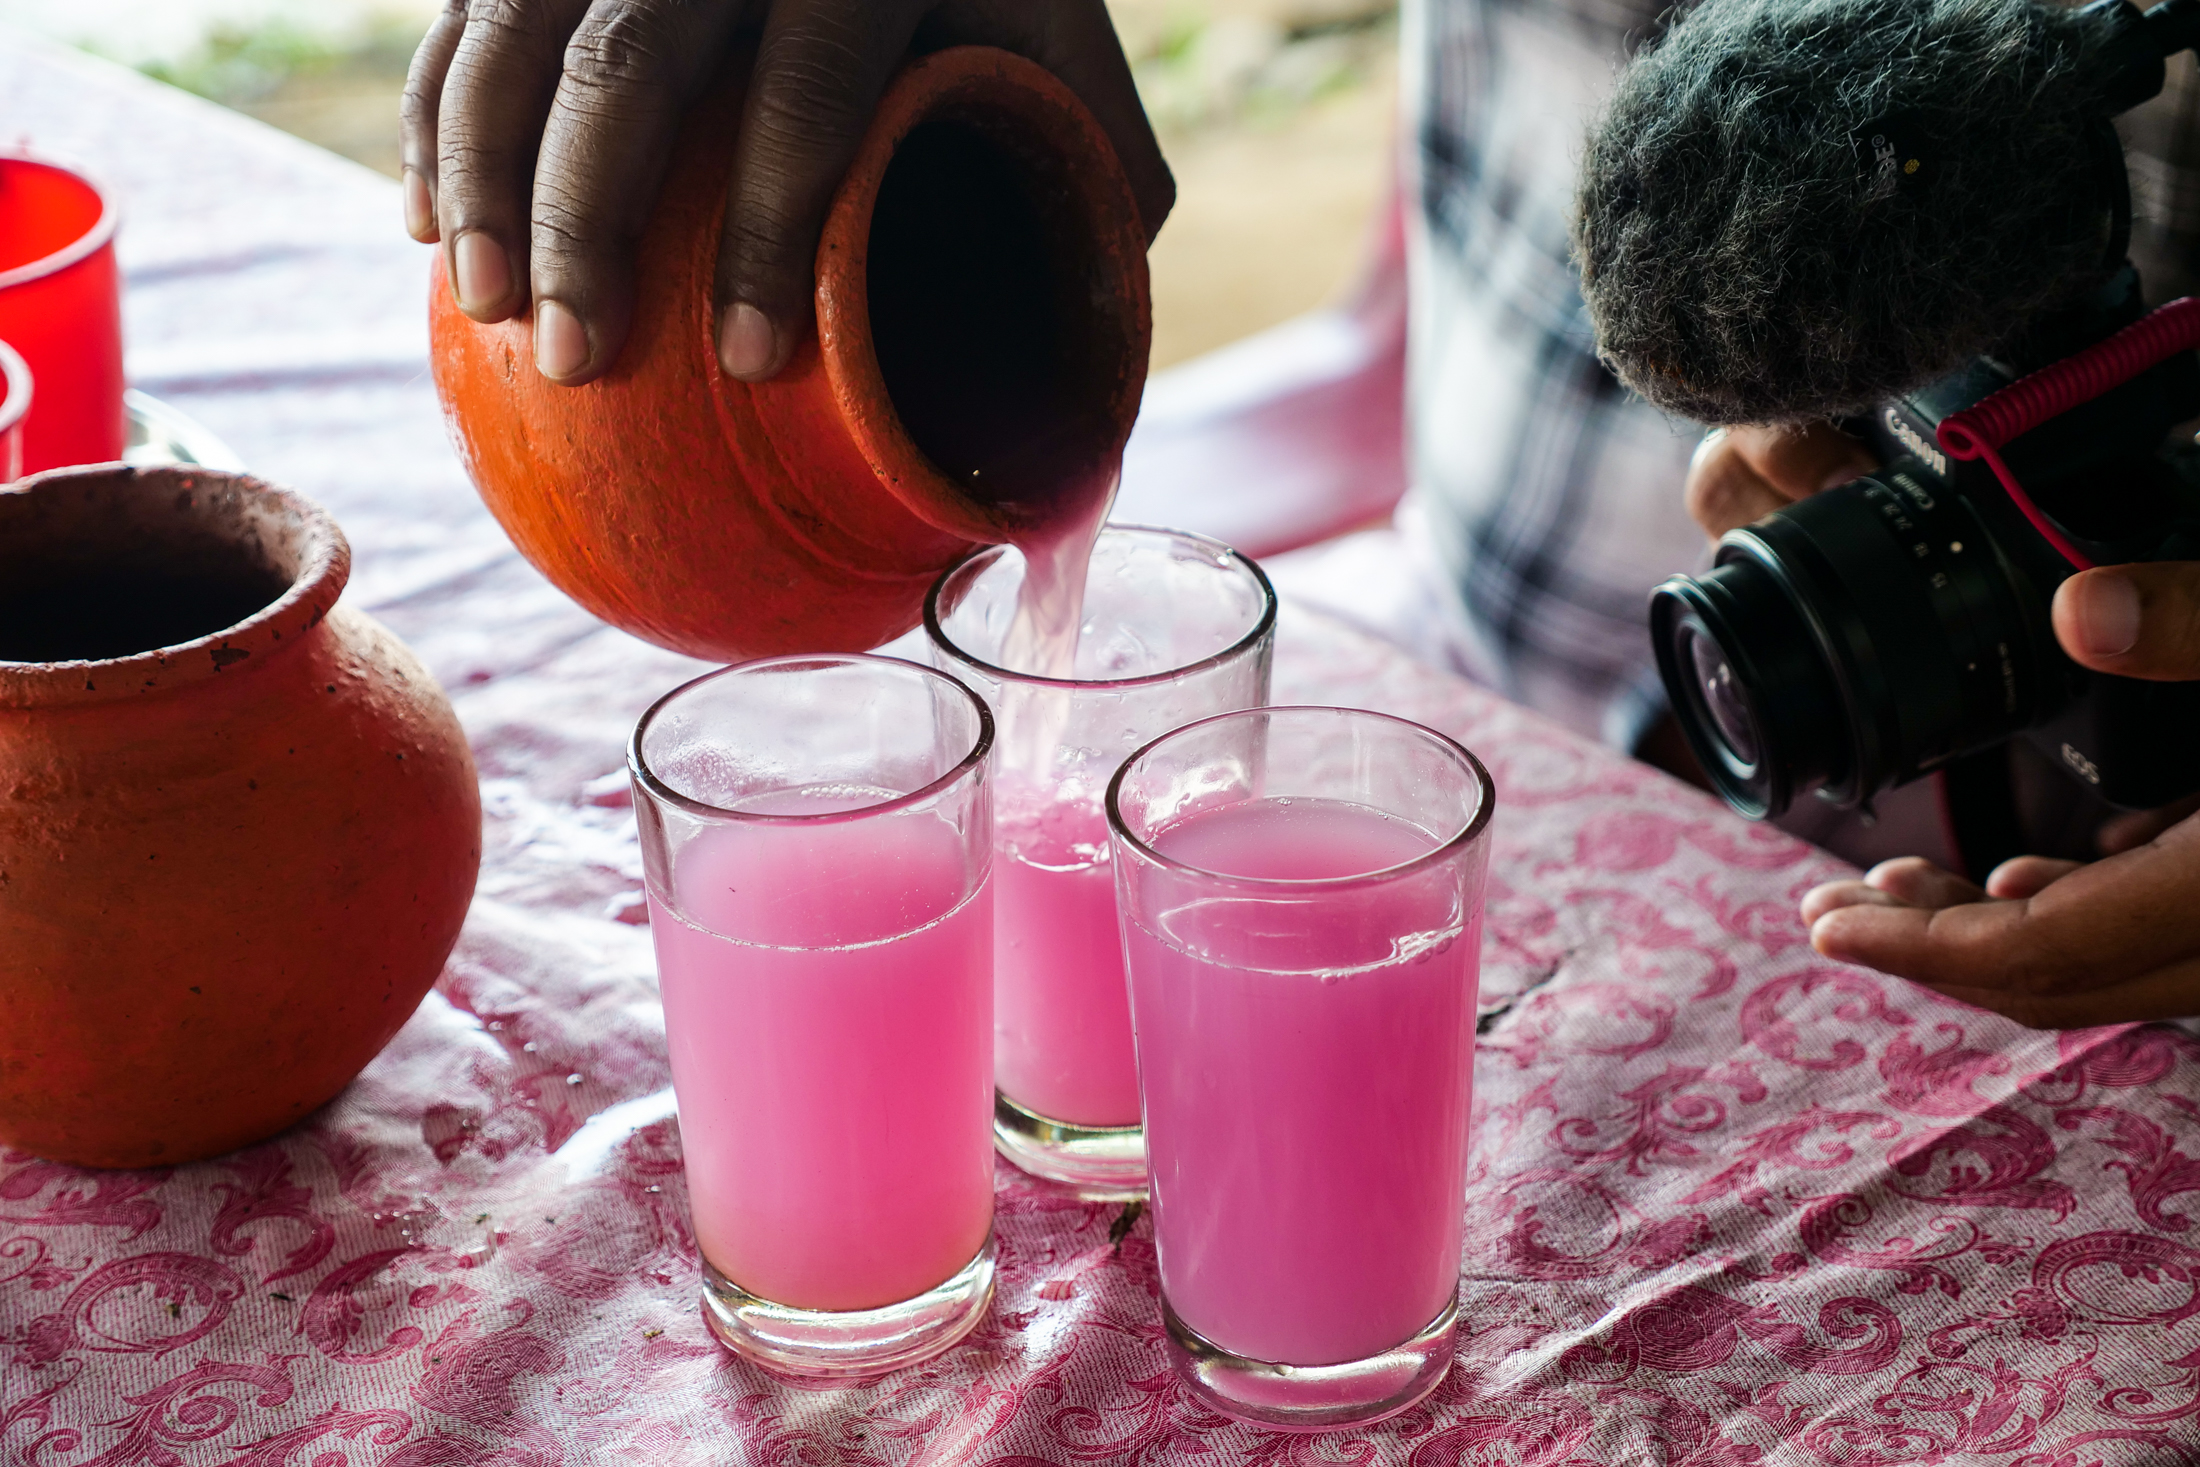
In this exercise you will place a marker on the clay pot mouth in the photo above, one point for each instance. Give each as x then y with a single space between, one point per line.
121 582
983 310
61 192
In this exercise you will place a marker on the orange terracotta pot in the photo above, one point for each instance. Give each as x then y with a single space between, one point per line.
229 867
982 332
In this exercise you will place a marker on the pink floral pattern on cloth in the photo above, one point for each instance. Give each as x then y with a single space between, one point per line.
1730 1204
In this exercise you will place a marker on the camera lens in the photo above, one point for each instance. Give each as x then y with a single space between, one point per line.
1756 701
1850 642
1722 697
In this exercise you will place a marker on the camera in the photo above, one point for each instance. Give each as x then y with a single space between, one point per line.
1866 636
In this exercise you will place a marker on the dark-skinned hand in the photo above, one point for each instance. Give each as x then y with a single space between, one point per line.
537 133
2052 944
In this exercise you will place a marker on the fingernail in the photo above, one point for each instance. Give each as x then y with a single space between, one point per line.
419 208
2105 607
484 274
561 342
745 342
1825 937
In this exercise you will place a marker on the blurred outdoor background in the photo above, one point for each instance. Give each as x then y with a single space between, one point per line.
1277 116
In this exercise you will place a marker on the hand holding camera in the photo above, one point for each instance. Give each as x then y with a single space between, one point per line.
1891 236
2054 944
2139 621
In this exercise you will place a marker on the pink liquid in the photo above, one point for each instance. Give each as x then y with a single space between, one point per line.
1308 1066
1063 1038
1050 604
1061 1009
834 1068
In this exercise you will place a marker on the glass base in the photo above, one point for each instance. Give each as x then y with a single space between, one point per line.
852 1342
1311 1397
1104 1163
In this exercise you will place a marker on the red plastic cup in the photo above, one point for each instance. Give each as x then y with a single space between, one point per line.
61 309
15 405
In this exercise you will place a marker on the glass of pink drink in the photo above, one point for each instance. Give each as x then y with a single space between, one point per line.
1173 627
1301 898
818 841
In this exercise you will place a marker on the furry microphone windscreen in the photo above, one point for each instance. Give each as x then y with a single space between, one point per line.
1797 208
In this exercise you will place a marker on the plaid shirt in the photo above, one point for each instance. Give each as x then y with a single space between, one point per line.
1552 497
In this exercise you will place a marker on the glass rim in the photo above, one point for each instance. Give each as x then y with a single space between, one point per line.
638 768
1262 624
16 387
85 245
1485 806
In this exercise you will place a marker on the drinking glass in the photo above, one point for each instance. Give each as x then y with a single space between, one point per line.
817 837
61 307
1301 898
1175 627
15 402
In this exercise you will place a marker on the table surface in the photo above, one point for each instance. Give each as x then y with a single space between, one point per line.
1729 1203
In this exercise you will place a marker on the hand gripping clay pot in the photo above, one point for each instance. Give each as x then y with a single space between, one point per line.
982 332
229 867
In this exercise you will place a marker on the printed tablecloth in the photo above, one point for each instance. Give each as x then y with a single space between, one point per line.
1729 1203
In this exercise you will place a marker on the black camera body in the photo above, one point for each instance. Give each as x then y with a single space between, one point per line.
1869 635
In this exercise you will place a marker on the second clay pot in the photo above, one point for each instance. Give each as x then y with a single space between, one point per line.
239 824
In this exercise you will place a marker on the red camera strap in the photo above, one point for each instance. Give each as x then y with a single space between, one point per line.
1981 430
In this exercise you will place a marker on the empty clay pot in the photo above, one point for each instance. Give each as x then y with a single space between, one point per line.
982 333
239 825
